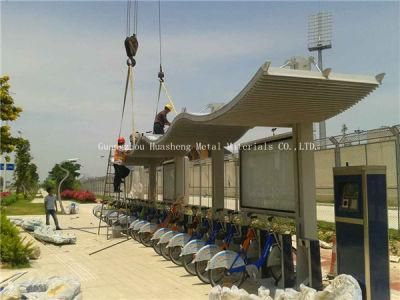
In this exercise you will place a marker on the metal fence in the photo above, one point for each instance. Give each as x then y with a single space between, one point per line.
373 147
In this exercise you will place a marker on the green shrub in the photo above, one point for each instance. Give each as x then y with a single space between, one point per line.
13 250
8 198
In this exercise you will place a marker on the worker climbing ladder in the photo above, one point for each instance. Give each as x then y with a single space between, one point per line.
113 199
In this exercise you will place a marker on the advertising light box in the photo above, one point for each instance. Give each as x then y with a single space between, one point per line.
169 181
267 177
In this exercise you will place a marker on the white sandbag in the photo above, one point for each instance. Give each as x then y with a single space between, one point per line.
31 223
37 289
33 286
16 220
10 292
49 234
342 287
251 297
35 296
307 293
287 294
233 293
63 288
215 293
264 293
73 208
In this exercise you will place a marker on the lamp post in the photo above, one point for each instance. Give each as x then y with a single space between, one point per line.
61 182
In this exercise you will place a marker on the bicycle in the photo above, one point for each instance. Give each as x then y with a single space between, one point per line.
205 253
229 267
197 229
191 249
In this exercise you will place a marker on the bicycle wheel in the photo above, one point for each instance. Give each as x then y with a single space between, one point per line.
164 251
187 264
222 277
174 254
135 235
157 247
274 262
145 238
200 267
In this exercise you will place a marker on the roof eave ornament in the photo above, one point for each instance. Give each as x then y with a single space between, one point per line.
326 72
266 66
380 77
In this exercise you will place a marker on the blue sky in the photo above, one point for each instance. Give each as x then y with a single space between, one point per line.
67 66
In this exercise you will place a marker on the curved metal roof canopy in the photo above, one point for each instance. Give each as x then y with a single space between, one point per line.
275 97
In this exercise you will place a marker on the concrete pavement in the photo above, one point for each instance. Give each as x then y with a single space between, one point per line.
126 271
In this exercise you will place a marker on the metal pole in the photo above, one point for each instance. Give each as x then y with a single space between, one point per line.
396 133
322 125
4 174
59 189
237 170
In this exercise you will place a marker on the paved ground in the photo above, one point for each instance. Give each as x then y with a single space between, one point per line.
128 270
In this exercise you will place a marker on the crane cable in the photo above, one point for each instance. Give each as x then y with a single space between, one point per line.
128 76
131 61
161 74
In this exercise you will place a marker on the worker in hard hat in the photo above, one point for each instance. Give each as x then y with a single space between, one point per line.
121 171
161 120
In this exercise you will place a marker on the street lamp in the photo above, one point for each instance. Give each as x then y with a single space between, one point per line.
61 182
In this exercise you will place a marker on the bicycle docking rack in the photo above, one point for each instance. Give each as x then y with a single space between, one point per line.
288 279
309 249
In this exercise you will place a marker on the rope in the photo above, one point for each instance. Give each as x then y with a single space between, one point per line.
136 7
168 95
159 30
128 18
158 98
123 106
132 98
135 16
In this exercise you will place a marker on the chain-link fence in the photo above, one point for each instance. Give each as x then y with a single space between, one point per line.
373 147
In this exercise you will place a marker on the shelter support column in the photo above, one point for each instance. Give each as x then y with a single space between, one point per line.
152 192
217 165
306 206
182 178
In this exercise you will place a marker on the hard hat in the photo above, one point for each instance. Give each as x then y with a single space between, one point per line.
121 141
168 106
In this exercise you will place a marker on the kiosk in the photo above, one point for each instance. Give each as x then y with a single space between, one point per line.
362 227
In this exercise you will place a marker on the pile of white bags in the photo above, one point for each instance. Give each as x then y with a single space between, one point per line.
225 293
73 208
343 287
16 220
49 234
30 224
52 288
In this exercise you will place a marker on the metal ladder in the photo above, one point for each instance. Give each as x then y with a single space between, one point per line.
110 196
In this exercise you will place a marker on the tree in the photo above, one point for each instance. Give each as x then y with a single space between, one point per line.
25 176
9 112
57 174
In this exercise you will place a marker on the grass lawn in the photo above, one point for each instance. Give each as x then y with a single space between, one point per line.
23 207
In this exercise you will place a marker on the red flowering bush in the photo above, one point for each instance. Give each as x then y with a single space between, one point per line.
5 194
84 196
6 198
